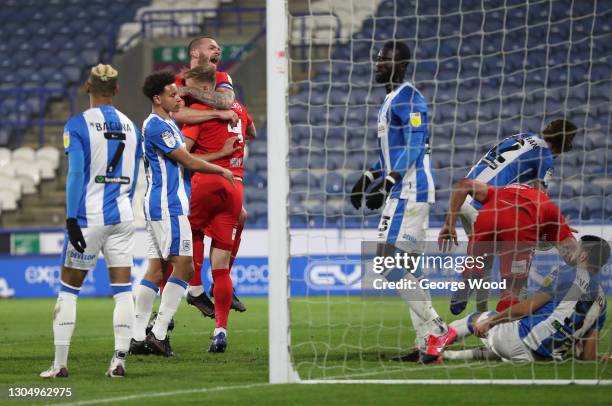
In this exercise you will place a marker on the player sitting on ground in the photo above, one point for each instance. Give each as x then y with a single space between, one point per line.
166 205
525 158
104 152
215 204
569 312
511 222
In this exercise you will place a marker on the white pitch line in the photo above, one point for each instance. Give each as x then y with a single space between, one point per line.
161 394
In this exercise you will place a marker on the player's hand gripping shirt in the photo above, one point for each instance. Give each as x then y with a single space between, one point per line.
110 145
521 158
168 182
209 136
403 138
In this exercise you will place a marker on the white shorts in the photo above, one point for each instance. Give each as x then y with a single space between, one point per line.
504 340
169 237
116 242
468 216
403 221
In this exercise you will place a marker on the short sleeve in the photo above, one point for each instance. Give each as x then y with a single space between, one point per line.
545 169
555 227
191 131
74 129
491 190
162 137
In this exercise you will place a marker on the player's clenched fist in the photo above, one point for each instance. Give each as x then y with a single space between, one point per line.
376 199
75 235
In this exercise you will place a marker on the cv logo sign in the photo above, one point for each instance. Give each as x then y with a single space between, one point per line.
333 275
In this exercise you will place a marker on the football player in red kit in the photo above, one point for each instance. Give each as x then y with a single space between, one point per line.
216 206
510 224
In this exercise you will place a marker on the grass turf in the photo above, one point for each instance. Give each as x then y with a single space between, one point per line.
339 337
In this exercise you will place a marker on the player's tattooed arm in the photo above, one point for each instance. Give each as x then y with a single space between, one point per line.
217 99
191 116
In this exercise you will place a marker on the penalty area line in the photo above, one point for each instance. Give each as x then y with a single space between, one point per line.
161 394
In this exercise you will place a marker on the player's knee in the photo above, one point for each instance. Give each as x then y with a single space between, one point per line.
73 277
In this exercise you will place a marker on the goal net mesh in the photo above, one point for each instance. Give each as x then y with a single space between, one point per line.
488 70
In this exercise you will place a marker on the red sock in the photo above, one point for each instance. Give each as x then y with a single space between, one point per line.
223 296
236 247
198 258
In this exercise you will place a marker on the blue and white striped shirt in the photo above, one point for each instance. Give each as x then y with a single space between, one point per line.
110 145
168 182
403 138
577 306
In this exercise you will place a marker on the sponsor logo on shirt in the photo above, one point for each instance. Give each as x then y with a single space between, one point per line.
235 162
168 139
123 180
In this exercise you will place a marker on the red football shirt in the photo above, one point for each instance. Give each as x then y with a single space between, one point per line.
552 224
210 136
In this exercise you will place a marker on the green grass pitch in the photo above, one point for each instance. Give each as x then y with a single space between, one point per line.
333 338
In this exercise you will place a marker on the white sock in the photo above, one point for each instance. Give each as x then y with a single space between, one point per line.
170 301
219 330
123 316
195 290
64 319
419 302
145 296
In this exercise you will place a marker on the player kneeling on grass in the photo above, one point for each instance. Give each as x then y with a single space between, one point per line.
166 206
103 148
567 312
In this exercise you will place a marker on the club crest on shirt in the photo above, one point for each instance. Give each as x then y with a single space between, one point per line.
415 119
168 139
66 139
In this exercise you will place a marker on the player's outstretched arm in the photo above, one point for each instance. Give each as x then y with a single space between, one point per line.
191 116
514 312
461 189
195 164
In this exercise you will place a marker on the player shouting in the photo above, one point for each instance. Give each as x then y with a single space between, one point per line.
103 148
525 158
203 51
511 222
215 204
406 188
166 205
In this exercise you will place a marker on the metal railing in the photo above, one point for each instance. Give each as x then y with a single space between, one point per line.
17 112
189 22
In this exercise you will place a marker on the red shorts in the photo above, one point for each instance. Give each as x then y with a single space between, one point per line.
215 208
509 231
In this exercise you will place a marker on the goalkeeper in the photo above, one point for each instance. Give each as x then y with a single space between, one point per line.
405 187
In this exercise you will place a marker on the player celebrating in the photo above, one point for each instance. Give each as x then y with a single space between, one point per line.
215 204
511 221
569 312
407 187
166 205
103 148
523 158
203 51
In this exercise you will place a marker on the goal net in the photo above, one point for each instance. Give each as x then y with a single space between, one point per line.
488 70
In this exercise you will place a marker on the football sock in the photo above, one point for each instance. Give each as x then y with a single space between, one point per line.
170 301
222 292
123 315
195 283
463 326
64 318
145 296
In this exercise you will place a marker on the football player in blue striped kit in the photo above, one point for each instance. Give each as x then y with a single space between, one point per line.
525 158
567 312
405 187
166 207
103 148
